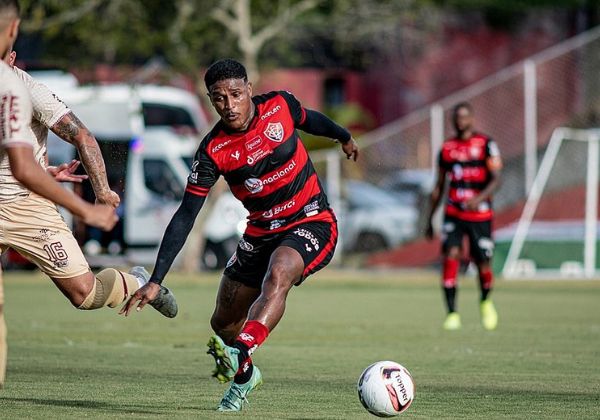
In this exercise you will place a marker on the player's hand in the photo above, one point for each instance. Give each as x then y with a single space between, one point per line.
471 204
147 293
65 172
110 198
351 149
429 230
101 216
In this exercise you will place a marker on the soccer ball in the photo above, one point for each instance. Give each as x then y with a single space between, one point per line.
386 389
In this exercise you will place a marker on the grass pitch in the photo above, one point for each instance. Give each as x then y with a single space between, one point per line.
543 361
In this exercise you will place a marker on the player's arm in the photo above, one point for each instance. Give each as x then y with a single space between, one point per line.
494 166
318 124
28 172
172 242
72 130
435 198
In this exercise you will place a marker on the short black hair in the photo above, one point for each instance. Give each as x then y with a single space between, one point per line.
13 5
227 68
461 105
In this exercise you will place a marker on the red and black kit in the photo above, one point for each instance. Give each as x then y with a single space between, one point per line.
268 169
468 163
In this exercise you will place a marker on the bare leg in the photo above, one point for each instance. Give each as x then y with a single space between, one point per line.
77 288
233 302
285 269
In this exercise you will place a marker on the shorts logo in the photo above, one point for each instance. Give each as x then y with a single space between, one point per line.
245 245
45 235
274 131
254 185
232 260
487 246
310 237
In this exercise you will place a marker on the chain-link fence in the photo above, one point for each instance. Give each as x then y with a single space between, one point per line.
519 107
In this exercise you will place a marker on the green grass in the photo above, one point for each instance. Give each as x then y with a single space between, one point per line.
543 362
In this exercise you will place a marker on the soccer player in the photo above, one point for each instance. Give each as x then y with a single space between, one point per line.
31 224
471 162
291 231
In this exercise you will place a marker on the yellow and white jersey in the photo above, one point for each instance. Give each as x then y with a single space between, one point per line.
15 128
46 110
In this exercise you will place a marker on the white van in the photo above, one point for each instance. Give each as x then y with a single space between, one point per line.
148 135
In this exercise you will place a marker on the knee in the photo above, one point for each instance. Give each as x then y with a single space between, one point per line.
279 280
453 253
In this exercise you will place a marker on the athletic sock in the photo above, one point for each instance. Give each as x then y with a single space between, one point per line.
450 295
486 280
449 274
253 335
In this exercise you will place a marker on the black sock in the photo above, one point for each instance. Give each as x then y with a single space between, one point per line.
450 294
244 363
485 293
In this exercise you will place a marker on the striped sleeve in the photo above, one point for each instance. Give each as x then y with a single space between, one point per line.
204 173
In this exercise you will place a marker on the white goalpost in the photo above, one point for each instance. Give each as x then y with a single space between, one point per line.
516 267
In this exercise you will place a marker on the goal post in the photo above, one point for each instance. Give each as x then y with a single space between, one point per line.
516 267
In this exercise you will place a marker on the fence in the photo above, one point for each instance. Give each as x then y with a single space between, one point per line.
518 107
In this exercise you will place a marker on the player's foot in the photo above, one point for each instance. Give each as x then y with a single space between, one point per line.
226 359
165 302
489 316
235 396
452 322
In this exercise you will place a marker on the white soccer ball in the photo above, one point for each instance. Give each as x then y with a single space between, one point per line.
386 389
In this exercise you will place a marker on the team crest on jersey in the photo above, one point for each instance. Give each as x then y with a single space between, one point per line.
274 131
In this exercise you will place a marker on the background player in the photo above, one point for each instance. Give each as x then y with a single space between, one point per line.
291 230
31 224
471 162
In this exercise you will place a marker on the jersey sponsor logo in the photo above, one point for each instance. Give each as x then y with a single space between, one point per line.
253 144
195 165
194 176
270 113
274 131
236 155
311 209
220 146
9 113
254 185
257 155
245 245
309 236
279 209
476 152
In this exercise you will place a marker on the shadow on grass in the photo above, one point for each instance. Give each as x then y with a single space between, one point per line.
99 405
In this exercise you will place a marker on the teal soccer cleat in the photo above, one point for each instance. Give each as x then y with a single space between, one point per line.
235 397
226 359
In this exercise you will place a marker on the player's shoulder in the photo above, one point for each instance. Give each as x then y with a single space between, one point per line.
9 81
211 137
23 75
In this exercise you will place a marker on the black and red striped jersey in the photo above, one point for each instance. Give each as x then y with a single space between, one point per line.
468 164
267 167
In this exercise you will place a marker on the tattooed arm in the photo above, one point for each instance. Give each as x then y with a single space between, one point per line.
72 130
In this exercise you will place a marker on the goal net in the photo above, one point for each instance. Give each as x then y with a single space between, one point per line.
556 235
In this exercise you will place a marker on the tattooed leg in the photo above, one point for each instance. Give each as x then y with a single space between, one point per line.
233 302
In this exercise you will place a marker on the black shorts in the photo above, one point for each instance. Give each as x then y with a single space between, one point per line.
315 241
480 237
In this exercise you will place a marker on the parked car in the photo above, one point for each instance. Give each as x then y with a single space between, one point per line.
373 219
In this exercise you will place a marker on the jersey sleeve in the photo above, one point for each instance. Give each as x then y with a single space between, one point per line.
493 159
46 106
296 110
15 114
204 173
442 164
